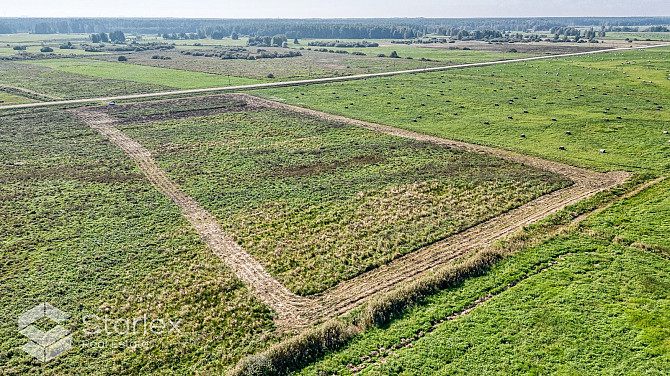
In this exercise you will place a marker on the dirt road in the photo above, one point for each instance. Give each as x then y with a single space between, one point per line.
295 311
317 80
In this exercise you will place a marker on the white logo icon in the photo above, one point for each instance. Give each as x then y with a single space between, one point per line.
45 346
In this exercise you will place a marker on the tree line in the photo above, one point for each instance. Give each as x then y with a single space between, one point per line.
390 28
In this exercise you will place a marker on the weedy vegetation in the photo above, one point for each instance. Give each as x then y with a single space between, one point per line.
85 231
318 202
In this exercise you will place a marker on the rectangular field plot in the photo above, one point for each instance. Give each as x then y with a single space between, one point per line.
69 85
317 202
142 74
82 229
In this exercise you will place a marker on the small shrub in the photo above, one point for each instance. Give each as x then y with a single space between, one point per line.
296 352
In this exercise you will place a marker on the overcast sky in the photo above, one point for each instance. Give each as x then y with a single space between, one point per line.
331 8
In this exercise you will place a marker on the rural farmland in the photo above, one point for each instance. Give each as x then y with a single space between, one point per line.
334 196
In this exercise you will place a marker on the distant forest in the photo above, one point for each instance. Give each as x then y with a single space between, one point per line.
385 28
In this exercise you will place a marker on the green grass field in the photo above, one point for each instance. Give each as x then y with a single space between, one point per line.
582 307
85 231
311 65
641 220
69 85
22 38
319 202
639 35
584 95
592 300
142 74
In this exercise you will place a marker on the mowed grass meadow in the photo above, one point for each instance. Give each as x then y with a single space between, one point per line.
616 102
68 85
86 232
318 202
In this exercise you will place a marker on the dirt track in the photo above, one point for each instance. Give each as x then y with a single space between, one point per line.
296 311
286 304
348 294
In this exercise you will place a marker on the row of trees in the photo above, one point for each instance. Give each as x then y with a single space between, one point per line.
577 34
243 53
182 36
266 41
338 43
397 28
462 34
316 28
114 37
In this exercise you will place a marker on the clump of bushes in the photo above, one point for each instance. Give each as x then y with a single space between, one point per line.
267 41
338 43
242 53
296 352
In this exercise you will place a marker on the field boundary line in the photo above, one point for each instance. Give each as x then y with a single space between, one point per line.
295 311
322 80
350 293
